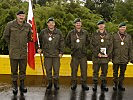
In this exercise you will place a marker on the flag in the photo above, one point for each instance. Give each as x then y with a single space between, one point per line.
31 44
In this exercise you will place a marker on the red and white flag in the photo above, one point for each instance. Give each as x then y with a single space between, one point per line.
31 45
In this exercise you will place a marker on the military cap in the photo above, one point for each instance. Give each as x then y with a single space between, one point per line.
20 12
122 24
50 19
100 22
77 20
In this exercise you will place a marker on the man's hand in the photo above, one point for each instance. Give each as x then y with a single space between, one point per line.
105 56
39 51
99 55
131 61
60 55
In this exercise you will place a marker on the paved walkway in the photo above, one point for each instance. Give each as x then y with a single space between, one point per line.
38 92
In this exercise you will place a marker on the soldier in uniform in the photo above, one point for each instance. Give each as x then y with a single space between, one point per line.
78 40
52 42
17 34
121 55
101 52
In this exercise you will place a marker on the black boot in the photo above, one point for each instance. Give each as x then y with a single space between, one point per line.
94 88
15 87
56 84
22 87
103 86
120 86
49 86
85 87
115 86
74 85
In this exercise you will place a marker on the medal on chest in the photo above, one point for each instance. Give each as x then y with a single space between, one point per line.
122 39
78 40
102 40
50 38
122 43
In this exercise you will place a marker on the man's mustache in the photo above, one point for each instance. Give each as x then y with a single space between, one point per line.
21 18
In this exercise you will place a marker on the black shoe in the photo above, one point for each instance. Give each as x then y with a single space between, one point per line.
15 91
115 86
85 87
49 86
15 88
74 85
120 87
94 87
103 86
22 87
104 89
56 85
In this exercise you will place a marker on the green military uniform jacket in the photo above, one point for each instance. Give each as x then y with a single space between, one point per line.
78 49
54 47
122 54
17 37
96 45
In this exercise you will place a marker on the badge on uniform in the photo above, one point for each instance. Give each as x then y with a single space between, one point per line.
77 40
50 38
102 40
122 39
122 43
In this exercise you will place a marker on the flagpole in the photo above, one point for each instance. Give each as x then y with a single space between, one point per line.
41 59
40 55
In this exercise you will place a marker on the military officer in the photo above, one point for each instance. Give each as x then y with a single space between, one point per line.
52 42
101 52
78 40
121 55
17 34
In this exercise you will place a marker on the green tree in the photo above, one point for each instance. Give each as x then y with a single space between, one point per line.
123 12
102 7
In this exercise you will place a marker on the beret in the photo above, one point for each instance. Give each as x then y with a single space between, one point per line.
50 19
77 20
100 22
122 24
20 12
